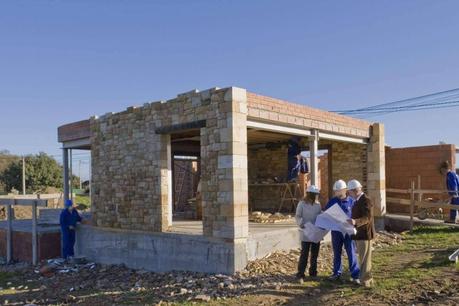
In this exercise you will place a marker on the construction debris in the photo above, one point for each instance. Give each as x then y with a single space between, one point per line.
262 217
57 278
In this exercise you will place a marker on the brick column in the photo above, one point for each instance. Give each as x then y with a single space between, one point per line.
224 167
376 174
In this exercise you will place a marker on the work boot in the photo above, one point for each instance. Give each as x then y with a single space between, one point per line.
355 281
334 277
300 277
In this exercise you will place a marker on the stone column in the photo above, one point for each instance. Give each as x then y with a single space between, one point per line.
376 172
224 152
165 168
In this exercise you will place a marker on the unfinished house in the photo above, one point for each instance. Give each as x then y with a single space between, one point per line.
239 142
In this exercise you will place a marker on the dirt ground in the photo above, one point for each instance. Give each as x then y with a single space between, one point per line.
409 269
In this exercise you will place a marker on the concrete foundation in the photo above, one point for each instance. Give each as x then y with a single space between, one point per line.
184 248
400 223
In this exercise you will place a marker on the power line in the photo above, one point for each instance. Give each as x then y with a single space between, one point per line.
440 100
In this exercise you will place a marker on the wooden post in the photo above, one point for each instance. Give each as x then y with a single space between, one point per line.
419 189
412 206
9 234
34 234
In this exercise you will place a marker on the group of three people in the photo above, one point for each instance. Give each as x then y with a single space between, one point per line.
358 208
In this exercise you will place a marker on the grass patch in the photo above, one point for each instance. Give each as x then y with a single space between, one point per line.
82 199
423 254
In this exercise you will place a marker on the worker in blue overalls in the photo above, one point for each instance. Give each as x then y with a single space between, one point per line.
339 239
452 184
68 221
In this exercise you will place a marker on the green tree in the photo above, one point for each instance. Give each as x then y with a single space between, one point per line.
41 171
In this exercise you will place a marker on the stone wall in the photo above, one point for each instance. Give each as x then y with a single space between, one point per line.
348 161
264 164
131 163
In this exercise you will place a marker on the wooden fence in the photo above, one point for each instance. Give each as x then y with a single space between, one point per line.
416 200
9 219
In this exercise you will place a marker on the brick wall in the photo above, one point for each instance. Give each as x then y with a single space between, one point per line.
271 109
324 182
403 165
49 245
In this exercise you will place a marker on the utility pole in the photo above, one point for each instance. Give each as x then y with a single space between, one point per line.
23 176
79 172
71 174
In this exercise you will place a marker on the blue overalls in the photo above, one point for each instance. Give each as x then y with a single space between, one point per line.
68 219
452 183
339 239
292 161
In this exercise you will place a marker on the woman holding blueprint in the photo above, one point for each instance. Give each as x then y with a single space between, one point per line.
306 213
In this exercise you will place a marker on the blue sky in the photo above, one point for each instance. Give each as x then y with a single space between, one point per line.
62 61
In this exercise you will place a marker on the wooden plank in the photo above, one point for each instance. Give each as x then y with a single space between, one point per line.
395 190
398 201
9 234
23 202
416 191
34 234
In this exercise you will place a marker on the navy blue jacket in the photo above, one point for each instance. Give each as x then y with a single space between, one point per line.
68 218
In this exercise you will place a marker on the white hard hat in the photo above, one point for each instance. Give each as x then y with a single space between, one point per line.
353 184
313 189
339 185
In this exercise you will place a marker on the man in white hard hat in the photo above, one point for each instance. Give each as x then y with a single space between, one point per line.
362 219
339 239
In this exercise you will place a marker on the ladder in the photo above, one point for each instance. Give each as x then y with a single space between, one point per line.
179 187
290 196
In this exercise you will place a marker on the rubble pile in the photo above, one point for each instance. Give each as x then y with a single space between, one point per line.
56 281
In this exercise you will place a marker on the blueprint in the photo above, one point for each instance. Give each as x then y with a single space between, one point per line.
335 219
313 233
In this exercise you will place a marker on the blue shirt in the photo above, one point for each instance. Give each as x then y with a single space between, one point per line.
346 204
452 183
68 218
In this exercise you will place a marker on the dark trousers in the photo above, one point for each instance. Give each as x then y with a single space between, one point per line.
305 247
68 242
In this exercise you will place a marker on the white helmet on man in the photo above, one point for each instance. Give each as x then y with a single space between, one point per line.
353 184
339 185
313 189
